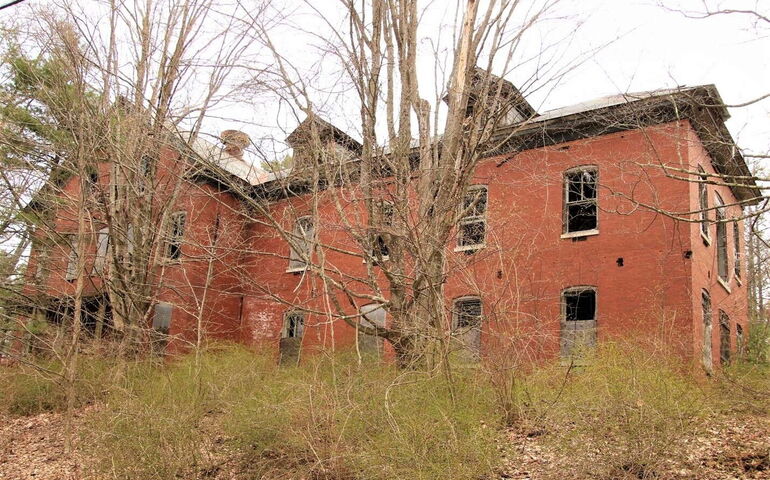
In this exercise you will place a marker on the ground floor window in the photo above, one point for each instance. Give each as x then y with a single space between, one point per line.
578 323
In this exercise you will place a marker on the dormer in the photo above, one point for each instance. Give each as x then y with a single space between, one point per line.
498 96
318 140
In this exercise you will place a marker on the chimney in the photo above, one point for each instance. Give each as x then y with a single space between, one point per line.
235 142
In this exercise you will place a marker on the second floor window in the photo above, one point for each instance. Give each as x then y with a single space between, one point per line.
102 247
737 247
580 209
175 235
383 220
472 227
721 238
301 242
703 202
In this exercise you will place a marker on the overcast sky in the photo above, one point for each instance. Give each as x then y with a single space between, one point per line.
647 48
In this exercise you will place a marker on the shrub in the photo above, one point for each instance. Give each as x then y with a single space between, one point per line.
623 415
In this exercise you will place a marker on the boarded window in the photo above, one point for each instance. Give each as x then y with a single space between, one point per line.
371 315
580 206
467 323
703 202
102 247
706 313
721 238
301 243
724 338
737 247
175 235
578 325
161 321
72 258
473 225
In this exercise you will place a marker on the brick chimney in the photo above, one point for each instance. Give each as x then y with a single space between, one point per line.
235 142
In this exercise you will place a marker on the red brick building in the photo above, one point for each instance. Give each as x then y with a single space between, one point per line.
595 227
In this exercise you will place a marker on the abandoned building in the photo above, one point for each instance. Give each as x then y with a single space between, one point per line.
589 225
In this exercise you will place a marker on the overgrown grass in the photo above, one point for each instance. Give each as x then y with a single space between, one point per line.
327 419
31 389
626 414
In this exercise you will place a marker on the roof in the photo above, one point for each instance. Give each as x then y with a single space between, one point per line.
590 118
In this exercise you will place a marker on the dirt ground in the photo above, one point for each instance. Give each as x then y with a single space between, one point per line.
731 448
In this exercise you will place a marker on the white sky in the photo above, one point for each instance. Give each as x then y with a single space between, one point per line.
651 48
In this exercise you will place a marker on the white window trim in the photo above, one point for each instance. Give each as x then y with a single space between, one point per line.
706 239
473 219
565 202
581 233
724 284
295 237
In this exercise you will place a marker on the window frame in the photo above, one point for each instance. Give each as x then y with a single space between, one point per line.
722 259
564 323
725 333
464 219
566 203
287 331
175 239
703 205
456 312
70 271
737 257
385 211
296 262
102 251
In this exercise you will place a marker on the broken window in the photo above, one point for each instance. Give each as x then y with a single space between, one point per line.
300 243
739 340
724 338
291 337
703 202
294 325
706 312
72 259
466 323
580 208
92 180
384 218
737 247
176 233
578 325
473 225
102 247
721 238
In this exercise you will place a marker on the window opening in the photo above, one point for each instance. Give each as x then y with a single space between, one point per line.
466 323
578 325
176 233
703 202
706 312
737 247
724 338
294 325
301 242
721 238
72 259
472 224
580 207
